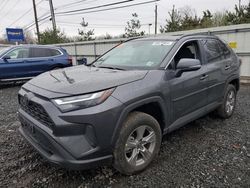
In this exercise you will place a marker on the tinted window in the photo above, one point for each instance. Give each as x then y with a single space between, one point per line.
44 52
224 49
18 53
54 52
213 51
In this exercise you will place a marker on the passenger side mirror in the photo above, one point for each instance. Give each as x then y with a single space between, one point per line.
187 65
5 58
82 61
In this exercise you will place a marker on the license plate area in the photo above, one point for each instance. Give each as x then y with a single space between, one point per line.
29 127
36 135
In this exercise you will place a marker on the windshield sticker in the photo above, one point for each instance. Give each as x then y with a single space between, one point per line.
150 63
168 43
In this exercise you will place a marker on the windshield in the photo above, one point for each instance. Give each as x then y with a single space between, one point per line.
2 51
136 54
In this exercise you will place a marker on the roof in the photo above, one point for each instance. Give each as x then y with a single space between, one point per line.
36 45
176 37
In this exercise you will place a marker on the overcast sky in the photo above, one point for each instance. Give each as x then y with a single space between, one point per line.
112 22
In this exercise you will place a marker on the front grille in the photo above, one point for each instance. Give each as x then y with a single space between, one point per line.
36 111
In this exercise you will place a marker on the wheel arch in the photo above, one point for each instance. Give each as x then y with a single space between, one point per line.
142 106
235 82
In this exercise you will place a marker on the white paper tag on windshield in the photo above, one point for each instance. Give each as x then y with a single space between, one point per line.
150 63
160 43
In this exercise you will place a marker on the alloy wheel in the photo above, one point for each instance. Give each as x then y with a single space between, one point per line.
230 102
140 145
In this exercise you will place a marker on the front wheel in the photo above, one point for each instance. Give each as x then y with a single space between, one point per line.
229 102
139 142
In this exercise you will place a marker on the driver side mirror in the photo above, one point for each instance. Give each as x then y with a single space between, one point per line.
5 58
187 65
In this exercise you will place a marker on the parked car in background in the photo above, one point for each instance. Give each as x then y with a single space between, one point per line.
117 109
27 61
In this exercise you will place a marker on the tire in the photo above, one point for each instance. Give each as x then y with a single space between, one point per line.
134 143
227 108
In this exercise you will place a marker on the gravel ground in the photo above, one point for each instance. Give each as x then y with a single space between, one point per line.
209 152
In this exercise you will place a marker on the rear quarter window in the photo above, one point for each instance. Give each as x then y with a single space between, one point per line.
55 52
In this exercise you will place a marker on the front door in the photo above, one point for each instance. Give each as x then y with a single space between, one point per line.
189 91
16 64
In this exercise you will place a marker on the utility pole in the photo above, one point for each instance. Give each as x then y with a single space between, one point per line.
37 27
239 4
52 15
155 19
149 25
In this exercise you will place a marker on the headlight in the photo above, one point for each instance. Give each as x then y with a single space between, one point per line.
82 101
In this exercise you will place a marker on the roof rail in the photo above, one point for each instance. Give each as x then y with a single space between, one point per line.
133 38
207 33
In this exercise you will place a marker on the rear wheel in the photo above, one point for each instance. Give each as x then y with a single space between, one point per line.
138 143
229 102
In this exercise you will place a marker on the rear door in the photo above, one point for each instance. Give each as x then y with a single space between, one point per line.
217 60
16 66
41 60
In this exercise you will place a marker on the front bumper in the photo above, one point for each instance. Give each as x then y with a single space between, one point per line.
78 140
55 153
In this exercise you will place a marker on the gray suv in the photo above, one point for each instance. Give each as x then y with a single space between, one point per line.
116 109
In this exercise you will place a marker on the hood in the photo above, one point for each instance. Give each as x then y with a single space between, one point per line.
82 79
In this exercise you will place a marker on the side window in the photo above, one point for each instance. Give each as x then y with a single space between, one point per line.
44 52
225 50
212 50
54 52
188 50
18 53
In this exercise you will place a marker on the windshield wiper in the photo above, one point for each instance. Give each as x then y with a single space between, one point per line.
70 80
94 62
54 77
110 67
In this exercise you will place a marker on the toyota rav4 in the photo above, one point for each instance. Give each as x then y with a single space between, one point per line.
116 109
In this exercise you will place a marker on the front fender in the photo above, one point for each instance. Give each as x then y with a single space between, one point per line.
129 108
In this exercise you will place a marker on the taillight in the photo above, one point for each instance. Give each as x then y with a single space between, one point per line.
70 60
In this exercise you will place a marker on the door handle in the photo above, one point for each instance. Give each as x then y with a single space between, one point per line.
203 77
227 67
